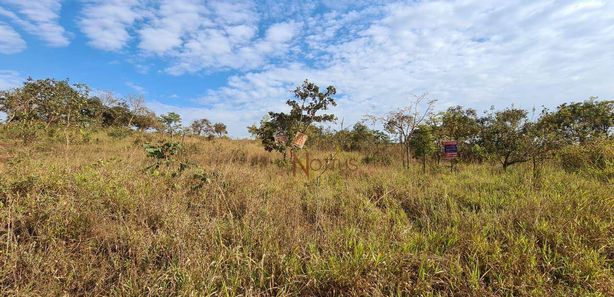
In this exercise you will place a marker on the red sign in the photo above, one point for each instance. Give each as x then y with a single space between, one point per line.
450 149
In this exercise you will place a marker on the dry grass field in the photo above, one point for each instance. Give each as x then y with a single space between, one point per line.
88 219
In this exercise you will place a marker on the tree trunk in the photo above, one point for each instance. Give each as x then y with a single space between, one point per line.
505 161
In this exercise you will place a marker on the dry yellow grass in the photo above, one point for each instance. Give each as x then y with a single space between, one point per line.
87 219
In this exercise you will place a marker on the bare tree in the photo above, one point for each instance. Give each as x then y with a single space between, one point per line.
137 107
108 99
404 122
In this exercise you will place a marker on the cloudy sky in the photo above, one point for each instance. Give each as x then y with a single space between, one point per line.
233 61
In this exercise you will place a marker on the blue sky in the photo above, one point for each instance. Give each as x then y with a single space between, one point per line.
232 61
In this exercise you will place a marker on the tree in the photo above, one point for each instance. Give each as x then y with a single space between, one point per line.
201 127
423 143
504 135
404 122
49 101
204 127
219 129
581 122
17 106
308 101
171 122
116 115
359 138
93 110
543 139
146 121
137 107
460 124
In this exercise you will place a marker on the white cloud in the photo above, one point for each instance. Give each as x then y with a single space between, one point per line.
171 22
40 18
10 79
10 41
472 53
107 23
136 87
191 35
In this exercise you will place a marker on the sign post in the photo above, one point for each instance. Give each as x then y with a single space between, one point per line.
450 152
299 140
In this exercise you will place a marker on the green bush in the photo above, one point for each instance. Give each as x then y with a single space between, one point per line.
595 159
119 133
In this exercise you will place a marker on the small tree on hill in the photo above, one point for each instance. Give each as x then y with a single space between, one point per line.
308 101
201 127
50 101
137 108
146 121
219 129
171 122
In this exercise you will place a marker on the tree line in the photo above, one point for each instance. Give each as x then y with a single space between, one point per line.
50 103
509 136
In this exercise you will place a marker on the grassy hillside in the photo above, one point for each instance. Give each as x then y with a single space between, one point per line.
86 218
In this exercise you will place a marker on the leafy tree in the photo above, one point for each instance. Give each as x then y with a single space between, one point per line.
92 111
204 127
267 130
145 121
423 143
460 124
220 129
171 122
581 122
47 100
360 138
308 101
117 115
504 135
201 127
543 139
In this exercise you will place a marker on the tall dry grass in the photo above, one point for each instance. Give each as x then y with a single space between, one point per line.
87 219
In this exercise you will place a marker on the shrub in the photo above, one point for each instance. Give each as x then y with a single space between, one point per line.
119 133
595 159
163 151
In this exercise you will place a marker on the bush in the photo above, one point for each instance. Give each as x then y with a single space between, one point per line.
27 132
595 159
119 133
379 158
